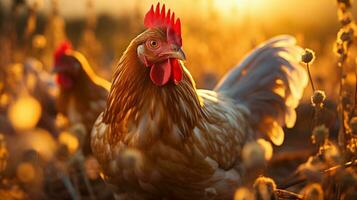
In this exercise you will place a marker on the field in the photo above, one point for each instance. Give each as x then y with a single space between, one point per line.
41 153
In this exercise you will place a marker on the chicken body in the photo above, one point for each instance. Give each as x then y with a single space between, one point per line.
149 164
84 102
177 142
83 94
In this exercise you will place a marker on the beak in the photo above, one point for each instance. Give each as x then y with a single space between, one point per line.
177 53
181 55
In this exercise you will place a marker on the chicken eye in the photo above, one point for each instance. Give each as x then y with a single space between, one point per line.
154 44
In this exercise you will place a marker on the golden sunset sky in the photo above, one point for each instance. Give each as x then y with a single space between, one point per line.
264 10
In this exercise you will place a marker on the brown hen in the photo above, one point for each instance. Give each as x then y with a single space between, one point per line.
161 138
82 93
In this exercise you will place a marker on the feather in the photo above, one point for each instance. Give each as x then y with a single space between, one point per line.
89 71
269 82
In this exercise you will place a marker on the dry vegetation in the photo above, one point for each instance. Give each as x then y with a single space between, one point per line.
40 155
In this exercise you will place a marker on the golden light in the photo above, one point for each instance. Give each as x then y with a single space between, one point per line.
42 142
24 113
39 41
4 100
25 172
240 5
69 140
61 121
268 148
243 193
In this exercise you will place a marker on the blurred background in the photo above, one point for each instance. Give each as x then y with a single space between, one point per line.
217 34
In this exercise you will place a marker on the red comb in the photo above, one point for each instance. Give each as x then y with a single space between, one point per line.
161 19
61 50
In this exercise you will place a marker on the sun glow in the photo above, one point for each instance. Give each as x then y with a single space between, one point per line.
241 7
25 112
239 4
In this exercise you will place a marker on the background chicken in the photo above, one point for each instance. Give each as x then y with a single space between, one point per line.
82 93
160 137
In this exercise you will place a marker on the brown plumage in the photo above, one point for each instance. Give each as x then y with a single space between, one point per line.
161 138
82 94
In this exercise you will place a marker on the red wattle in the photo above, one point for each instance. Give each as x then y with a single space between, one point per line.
176 74
160 73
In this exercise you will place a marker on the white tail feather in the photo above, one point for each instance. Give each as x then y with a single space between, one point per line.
270 82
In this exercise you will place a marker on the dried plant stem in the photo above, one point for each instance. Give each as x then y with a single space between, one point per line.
310 77
346 165
315 118
284 194
300 180
316 111
355 94
341 110
292 183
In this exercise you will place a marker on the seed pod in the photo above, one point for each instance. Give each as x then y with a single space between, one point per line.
338 48
264 188
318 98
308 56
346 35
